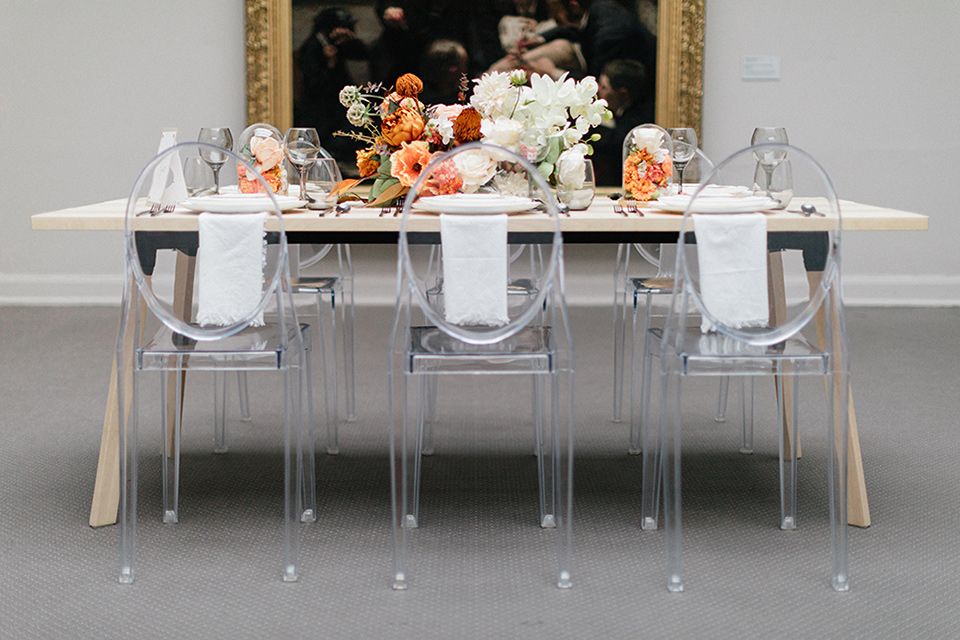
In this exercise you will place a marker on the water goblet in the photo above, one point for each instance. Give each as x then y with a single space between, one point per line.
684 148
197 176
221 137
769 158
320 178
301 145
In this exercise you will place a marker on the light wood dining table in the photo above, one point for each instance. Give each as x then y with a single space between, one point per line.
599 224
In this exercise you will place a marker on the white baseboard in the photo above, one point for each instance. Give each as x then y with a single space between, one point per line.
586 290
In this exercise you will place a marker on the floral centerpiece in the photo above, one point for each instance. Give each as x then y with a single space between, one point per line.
260 145
647 166
547 123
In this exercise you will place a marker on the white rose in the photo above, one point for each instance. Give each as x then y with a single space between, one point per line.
647 138
475 167
502 131
572 169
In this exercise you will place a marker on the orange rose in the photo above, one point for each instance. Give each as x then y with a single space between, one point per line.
407 162
403 125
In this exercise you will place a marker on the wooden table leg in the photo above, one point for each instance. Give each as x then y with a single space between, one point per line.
858 509
106 488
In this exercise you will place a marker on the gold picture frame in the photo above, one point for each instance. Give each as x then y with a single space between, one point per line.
679 63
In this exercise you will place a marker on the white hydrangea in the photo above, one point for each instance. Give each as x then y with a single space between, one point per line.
493 96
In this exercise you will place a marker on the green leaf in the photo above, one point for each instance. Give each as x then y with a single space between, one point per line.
546 169
554 153
391 193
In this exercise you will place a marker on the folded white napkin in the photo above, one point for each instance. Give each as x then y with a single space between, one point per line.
475 268
230 263
732 252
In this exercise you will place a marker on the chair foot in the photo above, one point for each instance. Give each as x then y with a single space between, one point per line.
170 517
426 451
247 418
841 583
126 575
290 574
308 515
564 581
332 451
745 450
400 582
648 524
674 584
788 524
223 449
548 522
634 451
410 522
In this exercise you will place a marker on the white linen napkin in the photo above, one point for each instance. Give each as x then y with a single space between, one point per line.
732 252
230 263
475 268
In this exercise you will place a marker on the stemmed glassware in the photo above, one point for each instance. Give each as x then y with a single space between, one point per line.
684 148
302 146
221 137
770 157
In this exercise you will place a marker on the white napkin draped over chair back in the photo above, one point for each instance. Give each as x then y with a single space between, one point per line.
230 263
475 269
732 255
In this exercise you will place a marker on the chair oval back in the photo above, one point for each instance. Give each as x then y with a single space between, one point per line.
156 187
478 168
817 235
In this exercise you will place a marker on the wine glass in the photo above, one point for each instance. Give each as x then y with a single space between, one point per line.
221 137
684 147
320 179
302 146
769 158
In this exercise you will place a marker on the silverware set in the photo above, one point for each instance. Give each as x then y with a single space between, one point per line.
627 207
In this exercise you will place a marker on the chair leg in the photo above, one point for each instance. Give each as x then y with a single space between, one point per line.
619 326
838 435
292 458
670 451
399 464
305 424
171 446
636 424
788 455
325 356
244 392
127 441
561 436
722 400
429 415
546 480
746 403
650 489
220 409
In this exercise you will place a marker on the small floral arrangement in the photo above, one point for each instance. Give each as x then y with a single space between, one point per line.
547 123
265 153
647 167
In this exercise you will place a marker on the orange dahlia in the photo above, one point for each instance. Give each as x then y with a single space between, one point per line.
403 125
367 162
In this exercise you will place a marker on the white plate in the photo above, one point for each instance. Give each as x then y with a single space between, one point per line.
715 204
474 203
239 203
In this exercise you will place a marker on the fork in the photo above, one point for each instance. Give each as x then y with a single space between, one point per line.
617 207
633 208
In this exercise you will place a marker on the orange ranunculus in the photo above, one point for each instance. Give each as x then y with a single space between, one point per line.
407 162
644 186
368 161
403 125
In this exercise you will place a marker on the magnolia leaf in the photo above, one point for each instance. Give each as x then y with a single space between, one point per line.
348 197
385 166
389 194
546 169
554 152
345 185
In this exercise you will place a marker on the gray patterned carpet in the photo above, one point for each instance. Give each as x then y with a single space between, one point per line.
480 566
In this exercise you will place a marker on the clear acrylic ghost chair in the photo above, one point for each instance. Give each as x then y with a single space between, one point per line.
535 341
338 290
649 296
524 259
777 348
180 344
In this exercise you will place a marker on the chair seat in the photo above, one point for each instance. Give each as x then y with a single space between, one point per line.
310 284
433 351
251 348
717 354
652 285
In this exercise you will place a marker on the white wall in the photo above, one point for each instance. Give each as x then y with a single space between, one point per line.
867 87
